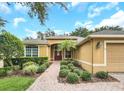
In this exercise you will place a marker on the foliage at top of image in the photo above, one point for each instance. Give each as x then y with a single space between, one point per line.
2 22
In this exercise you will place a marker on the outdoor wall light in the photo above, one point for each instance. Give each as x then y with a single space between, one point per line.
99 44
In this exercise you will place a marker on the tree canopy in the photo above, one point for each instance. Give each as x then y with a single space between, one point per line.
113 28
43 35
83 32
40 9
80 31
10 46
2 22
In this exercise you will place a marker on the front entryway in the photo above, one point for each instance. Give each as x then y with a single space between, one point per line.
58 55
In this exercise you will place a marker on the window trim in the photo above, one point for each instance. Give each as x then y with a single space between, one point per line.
31 52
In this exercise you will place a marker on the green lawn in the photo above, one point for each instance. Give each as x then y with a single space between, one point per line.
15 83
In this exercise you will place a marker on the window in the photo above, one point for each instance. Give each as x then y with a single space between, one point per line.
68 54
31 51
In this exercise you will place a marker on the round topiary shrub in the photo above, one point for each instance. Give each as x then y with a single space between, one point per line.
41 68
102 74
76 63
63 73
63 67
47 64
70 65
78 71
63 62
73 68
85 75
72 78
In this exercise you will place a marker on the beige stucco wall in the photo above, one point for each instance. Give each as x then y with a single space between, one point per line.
43 50
98 56
83 54
98 52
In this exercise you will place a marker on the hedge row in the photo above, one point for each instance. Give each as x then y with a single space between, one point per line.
21 61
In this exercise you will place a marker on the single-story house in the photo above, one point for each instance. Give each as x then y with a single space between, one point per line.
100 51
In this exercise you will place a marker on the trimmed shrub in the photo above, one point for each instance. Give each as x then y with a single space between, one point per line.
8 68
28 63
16 67
21 61
30 69
63 62
102 74
63 67
3 72
41 68
47 64
85 75
70 65
78 71
73 68
76 63
72 78
63 73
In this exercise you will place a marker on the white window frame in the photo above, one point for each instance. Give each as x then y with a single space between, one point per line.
31 52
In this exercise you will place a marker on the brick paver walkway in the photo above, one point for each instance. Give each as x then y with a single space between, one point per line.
48 82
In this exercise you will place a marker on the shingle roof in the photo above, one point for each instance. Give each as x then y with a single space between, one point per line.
38 41
103 34
63 37
108 32
35 41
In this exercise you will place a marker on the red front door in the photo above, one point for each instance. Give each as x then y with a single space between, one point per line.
58 55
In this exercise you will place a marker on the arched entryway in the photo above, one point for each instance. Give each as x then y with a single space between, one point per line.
56 55
59 55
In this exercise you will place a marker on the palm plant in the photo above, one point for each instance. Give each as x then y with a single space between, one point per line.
67 45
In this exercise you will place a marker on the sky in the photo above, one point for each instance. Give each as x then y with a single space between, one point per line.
79 14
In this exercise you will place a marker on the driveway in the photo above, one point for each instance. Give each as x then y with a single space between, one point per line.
48 82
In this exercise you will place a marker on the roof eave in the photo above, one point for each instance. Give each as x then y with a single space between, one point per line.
99 36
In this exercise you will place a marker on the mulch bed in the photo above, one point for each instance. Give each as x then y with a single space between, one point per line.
20 73
93 80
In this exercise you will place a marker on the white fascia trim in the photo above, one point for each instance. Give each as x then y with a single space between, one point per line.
85 62
38 50
95 65
47 50
115 36
24 50
88 63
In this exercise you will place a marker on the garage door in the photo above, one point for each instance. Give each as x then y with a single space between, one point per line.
115 57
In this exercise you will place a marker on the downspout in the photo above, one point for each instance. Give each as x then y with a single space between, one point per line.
92 56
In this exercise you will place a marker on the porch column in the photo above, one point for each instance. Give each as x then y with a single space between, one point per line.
49 52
